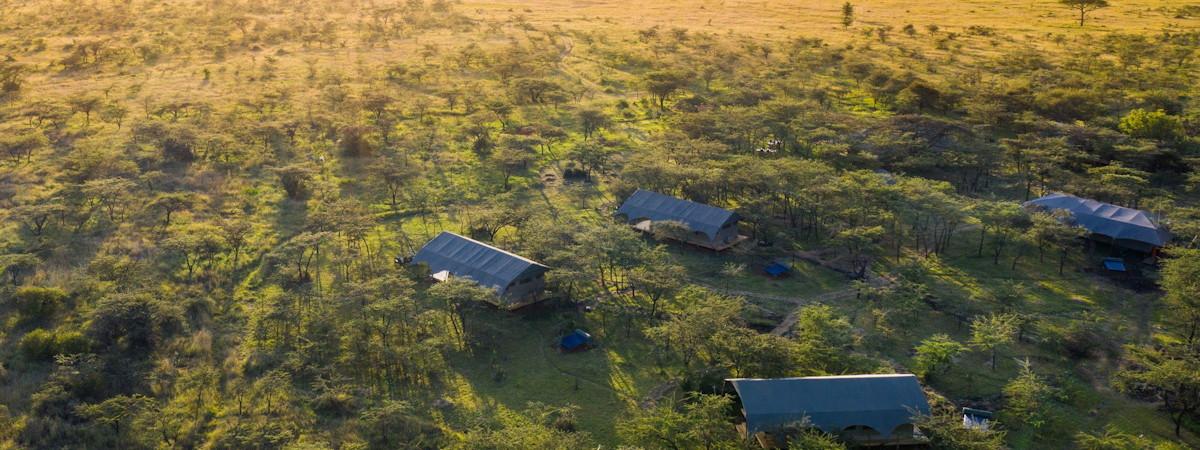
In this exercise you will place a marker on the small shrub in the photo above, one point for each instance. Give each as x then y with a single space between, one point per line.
39 303
1085 338
977 30
335 403
733 270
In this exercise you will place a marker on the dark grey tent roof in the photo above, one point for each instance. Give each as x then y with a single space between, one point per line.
468 258
1116 222
882 402
658 207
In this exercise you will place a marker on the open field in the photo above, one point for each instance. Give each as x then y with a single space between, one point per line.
819 18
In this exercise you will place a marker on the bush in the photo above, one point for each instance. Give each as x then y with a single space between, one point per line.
1157 125
42 345
39 303
1087 337
1066 105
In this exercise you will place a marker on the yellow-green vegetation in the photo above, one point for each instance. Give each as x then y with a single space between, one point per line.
203 203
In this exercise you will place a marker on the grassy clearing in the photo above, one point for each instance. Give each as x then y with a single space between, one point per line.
523 365
806 279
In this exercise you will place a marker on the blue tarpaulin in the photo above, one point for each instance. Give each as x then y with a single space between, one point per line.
1114 264
575 340
777 269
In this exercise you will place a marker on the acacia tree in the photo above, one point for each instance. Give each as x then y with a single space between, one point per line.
296 179
1026 397
236 231
1084 7
698 423
118 413
1170 373
16 265
824 338
663 83
37 216
456 295
657 278
110 195
167 204
691 333
393 174
592 156
23 146
490 219
1055 230
935 354
534 90
992 332
502 109
510 160
1181 281
196 244
86 104
301 252
862 244
114 113
592 119
1002 221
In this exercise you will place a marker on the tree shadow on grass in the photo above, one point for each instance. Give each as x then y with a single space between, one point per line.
291 216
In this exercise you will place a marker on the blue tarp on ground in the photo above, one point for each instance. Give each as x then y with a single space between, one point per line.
1114 264
777 269
575 340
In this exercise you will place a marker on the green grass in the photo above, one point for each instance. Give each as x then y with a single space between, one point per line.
961 279
806 279
522 365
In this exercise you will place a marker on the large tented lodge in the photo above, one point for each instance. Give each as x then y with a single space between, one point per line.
708 226
866 410
518 281
1118 225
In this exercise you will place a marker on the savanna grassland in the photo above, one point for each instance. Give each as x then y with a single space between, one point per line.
202 204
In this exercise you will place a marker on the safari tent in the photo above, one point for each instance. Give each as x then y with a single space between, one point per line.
517 281
708 226
1125 227
864 410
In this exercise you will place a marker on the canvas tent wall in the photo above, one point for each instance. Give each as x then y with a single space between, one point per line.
717 227
878 409
516 280
1126 227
